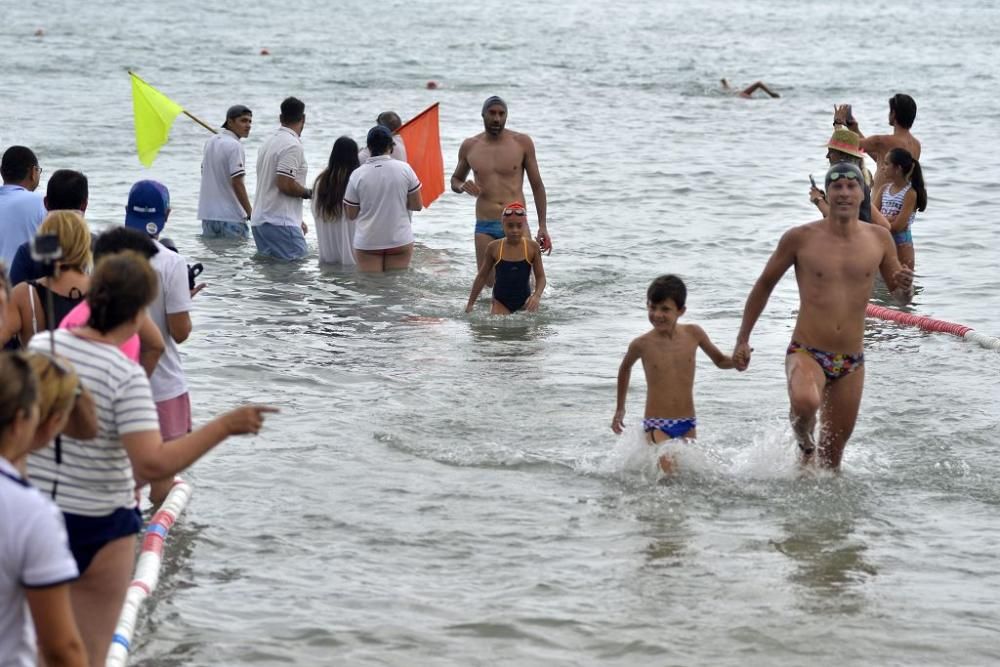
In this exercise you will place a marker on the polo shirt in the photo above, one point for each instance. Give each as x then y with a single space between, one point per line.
379 188
398 151
34 553
222 161
21 213
173 296
281 154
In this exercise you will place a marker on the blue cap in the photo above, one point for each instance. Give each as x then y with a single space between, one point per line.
148 203
379 130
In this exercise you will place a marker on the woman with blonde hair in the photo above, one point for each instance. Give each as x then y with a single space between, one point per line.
26 312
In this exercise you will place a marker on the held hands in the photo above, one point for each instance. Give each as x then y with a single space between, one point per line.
618 422
247 419
741 356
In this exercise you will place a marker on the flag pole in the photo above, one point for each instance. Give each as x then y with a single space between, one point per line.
200 122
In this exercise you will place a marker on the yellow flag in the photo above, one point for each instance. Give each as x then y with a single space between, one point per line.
154 114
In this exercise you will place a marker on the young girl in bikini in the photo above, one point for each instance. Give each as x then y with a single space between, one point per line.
900 200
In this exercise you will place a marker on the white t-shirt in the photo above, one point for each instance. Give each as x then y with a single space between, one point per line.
95 476
34 553
173 297
380 187
282 155
398 151
223 160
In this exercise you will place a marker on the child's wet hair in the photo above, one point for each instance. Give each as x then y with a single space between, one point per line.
667 286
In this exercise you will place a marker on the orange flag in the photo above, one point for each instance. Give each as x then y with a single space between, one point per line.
422 136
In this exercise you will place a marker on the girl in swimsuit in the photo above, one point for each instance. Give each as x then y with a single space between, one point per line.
514 258
900 200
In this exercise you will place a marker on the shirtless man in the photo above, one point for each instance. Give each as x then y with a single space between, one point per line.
835 261
748 92
902 113
499 159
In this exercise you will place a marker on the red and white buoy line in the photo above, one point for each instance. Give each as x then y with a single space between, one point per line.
933 325
147 570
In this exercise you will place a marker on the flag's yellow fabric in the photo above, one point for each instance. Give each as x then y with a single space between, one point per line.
154 114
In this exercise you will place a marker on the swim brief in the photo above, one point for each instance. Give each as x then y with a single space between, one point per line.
672 428
491 227
835 365
88 534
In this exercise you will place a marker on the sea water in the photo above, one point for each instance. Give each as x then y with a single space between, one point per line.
441 489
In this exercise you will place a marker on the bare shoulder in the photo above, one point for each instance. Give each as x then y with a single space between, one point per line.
523 140
692 334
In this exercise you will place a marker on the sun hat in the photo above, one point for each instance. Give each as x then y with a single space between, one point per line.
846 142
148 203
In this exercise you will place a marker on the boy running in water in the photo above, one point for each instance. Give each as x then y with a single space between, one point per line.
667 353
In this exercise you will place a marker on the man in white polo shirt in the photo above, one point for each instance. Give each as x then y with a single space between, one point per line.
391 120
379 195
21 209
223 203
278 229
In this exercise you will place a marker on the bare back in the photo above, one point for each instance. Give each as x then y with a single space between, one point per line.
669 365
499 165
835 270
879 147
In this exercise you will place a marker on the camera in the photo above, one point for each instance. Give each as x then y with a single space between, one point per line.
45 248
193 270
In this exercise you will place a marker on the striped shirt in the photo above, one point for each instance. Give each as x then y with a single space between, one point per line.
95 476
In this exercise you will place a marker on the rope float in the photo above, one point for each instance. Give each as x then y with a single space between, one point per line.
933 325
147 570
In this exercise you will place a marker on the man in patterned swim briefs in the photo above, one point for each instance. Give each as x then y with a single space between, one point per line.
835 262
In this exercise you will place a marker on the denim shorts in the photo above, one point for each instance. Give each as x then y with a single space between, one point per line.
221 229
280 241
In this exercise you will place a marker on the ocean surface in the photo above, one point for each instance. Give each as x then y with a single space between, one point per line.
440 489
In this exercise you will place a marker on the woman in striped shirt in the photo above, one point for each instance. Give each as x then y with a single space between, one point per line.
91 480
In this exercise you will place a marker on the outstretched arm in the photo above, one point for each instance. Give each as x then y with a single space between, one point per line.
536 266
624 375
482 276
708 347
781 260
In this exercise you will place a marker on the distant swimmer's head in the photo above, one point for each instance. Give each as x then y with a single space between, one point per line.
379 140
845 171
239 118
494 114
665 299
514 220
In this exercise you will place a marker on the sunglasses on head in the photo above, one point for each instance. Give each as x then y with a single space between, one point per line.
515 211
834 175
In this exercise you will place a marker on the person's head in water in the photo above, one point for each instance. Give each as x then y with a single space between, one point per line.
239 120
494 115
665 299
902 111
514 220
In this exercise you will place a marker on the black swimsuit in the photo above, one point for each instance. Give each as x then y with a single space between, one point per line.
512 286
61 305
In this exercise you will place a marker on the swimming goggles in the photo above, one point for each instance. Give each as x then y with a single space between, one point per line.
834 175
515 211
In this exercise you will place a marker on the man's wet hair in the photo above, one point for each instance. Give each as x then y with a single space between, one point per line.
121 238
292 110
904 108
67 190
665 287
390 119
17 163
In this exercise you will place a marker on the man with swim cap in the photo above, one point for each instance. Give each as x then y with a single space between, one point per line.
835 262
223 202
499 159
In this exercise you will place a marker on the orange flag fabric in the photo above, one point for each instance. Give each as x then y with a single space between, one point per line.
422 136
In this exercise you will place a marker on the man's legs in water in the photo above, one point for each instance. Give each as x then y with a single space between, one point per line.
806 384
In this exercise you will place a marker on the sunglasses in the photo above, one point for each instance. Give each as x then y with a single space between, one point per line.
835 175
515 211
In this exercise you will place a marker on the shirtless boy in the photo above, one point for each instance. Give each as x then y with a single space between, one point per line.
902 113
667 353
835 262
499 159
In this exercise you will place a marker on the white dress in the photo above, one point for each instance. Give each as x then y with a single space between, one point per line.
335 237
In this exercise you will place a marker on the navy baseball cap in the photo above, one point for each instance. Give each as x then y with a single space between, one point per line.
148 203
